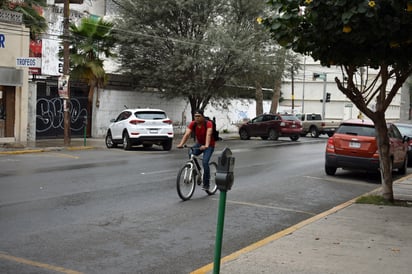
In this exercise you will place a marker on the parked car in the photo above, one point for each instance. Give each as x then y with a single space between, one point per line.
140 127
406 130
354 146
272 126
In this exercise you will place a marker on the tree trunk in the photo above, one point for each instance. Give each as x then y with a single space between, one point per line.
91 93
276 96
382 99
280 61
259 99
385 160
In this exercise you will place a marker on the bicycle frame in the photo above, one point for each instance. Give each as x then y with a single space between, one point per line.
194 163
191 173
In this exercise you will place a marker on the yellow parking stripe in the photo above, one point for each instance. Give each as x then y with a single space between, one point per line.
64 155
37 264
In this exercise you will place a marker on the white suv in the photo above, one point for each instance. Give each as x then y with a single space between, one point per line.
140 127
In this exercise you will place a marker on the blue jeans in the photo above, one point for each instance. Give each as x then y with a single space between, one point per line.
207 154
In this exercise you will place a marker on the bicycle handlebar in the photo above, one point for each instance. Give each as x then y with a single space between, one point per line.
185 146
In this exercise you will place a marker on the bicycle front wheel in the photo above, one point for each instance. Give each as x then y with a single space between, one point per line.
212 182
185 183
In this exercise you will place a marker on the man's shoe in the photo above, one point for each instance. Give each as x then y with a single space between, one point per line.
205 188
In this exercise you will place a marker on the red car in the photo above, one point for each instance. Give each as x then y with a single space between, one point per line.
406 130
272 126
354 146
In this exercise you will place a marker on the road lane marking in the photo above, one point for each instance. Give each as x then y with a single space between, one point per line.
157 172
37 264
266 206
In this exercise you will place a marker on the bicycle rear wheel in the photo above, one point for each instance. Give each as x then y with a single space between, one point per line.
185 183
212 182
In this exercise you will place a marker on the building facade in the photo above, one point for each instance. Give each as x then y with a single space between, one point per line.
14 63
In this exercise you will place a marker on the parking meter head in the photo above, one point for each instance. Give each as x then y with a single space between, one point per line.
224 181
226 161
224 174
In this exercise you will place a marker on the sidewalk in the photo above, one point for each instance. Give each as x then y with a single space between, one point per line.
351 238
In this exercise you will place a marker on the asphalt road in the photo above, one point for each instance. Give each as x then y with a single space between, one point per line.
115 211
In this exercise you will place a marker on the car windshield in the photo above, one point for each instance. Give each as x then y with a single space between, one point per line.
359 130
290 118
405 130
150 115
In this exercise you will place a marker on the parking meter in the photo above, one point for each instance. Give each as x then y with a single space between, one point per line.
224 174
224 182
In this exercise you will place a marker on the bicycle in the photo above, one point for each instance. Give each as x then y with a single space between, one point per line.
191 173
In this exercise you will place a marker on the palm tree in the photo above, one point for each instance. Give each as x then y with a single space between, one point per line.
88 41
31 10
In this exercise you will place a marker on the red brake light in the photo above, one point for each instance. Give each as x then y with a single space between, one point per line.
168 121
331 144
135 122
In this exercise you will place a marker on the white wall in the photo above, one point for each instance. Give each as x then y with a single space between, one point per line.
111 102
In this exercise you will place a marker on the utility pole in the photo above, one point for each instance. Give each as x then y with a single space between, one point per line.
66 70
323 100
324 96
293 93
303 86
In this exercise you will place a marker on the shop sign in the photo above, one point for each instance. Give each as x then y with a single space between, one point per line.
9 16
31 62
2 40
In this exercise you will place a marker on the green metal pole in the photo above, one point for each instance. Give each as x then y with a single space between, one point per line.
219 232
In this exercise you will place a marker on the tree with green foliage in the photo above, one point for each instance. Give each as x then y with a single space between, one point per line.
353 34
90 40
193 49
32 14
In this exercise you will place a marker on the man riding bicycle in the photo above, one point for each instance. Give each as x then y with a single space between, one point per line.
204 142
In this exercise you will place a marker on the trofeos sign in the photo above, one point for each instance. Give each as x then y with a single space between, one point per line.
31 62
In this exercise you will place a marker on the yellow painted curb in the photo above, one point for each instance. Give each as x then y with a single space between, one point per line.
22 151
25 151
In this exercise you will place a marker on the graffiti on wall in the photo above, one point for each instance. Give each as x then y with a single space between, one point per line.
50 116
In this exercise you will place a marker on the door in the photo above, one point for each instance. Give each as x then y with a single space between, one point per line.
255 126
7 111
398 146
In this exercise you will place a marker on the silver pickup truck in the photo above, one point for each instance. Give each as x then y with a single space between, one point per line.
313 124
